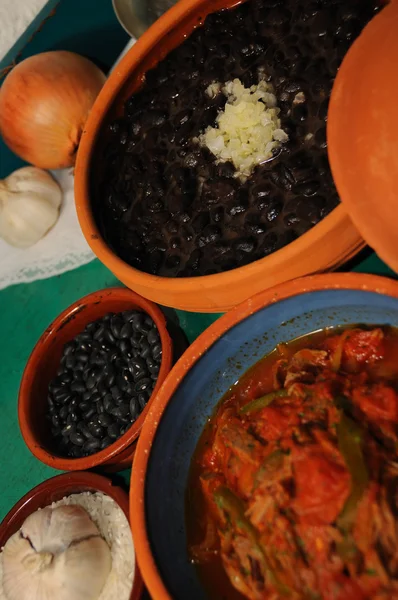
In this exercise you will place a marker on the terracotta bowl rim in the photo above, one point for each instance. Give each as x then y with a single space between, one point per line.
154 36
25 396
73 480
312 283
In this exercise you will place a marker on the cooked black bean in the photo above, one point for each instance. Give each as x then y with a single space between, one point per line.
173 209
99 391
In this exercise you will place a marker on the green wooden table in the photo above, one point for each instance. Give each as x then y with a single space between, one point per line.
90 28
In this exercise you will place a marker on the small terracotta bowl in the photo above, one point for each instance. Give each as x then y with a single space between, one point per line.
43 364
55 489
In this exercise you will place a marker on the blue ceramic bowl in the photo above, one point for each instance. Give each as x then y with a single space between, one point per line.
194 388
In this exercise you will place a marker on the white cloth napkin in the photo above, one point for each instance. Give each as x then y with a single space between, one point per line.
62 249
15 18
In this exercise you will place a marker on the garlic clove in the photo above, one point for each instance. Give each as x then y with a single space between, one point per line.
82 570
29 206
58 554
34 180
55 529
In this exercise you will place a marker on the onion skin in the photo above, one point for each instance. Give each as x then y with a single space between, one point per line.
44 104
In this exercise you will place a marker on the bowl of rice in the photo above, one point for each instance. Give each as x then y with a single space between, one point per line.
107 506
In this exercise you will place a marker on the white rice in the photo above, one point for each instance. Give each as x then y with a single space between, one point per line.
115 529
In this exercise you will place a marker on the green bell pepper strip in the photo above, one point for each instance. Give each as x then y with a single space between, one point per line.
226 501
349 437
263 401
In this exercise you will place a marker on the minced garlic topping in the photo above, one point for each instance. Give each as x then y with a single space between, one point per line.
248 130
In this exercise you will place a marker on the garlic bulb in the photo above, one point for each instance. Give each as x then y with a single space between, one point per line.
29 206
58 554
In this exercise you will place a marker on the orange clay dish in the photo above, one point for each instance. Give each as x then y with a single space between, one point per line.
342 281
42 366
363 133
293 485
325 247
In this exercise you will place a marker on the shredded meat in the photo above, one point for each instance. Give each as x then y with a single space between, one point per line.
301 482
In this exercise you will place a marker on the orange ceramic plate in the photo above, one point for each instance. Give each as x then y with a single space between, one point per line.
363 133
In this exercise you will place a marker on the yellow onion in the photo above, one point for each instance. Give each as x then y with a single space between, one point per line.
44 104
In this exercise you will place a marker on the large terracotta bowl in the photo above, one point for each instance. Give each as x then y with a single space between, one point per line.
325 247
193 388
42 367
55 489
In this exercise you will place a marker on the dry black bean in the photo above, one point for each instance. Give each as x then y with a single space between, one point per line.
70 361
84 430
126 331
99 334
113 431
157 351
108 402
69 348
78 386
81 356
120 411
63 413
143 384
124 345
99 391
153 336
77 438
91 445
105 419
95 429
142 400
134 408
107 441
116 326
68 429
